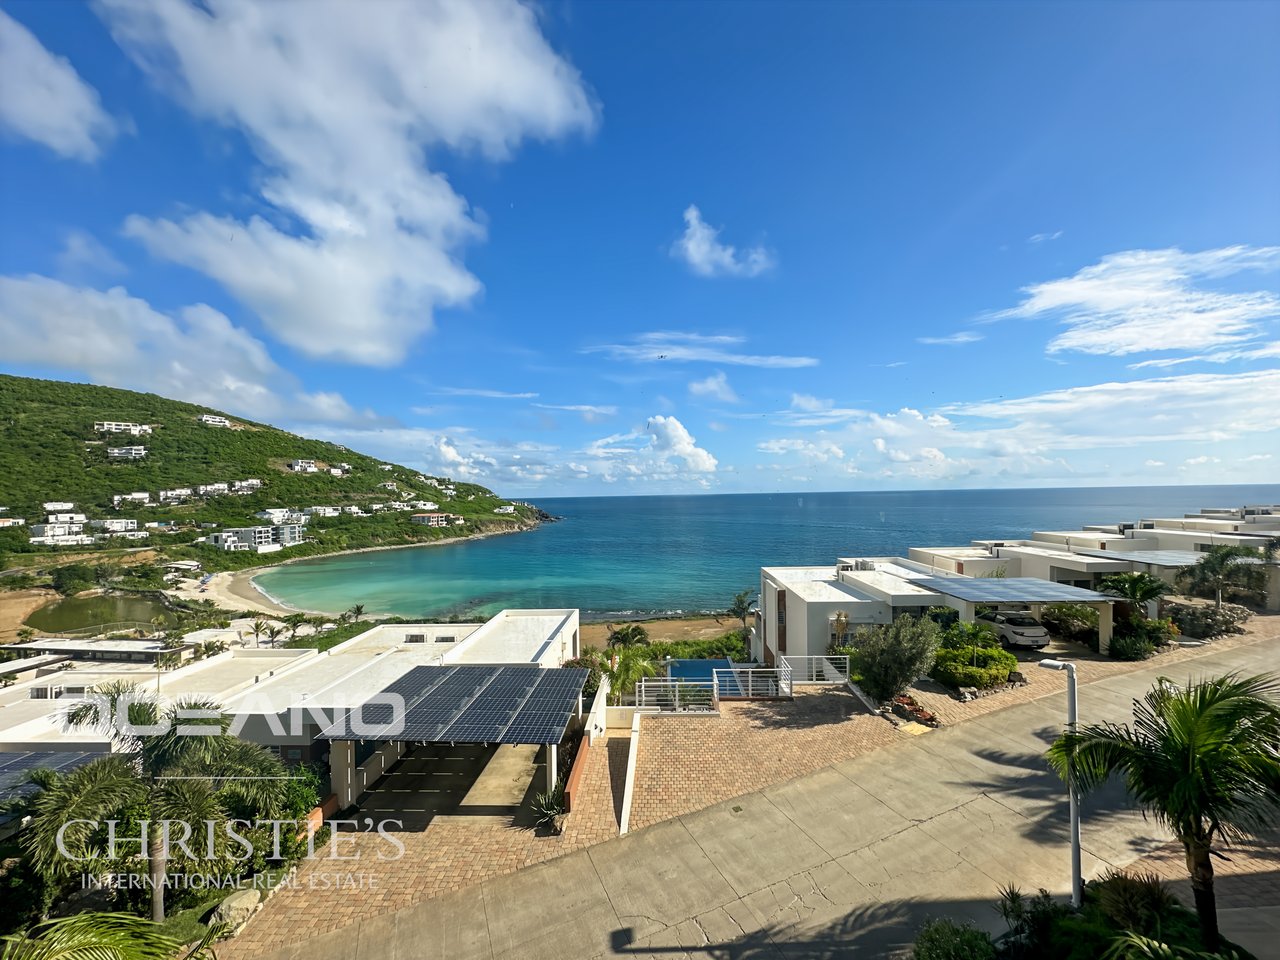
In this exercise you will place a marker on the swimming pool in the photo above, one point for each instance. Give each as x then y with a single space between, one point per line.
695 669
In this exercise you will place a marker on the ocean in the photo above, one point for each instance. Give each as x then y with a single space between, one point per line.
632 557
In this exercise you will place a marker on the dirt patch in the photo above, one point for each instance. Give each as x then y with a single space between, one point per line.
16 606
693 628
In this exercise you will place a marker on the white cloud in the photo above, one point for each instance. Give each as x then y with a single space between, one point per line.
1042 237
807 410
483 392
1255 458
359 243
591 413
1266 351
1153 463
82 253
699 247
812 451
672 439
43 98
695 348
118 340
1143 301
963 336
716 387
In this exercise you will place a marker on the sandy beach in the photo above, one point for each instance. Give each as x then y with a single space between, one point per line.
665 629
16 606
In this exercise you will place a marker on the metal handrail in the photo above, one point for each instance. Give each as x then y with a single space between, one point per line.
750 683
669 695
828 669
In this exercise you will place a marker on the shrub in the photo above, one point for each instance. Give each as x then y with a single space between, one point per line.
729 646
1139 902
1072 621
890 657
962 636
1205 622
981 667
947 940
595 665
1131 646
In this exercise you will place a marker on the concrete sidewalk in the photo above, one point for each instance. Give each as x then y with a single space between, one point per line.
845 862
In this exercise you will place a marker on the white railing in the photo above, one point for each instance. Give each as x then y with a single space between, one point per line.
752 683
819 669
677 695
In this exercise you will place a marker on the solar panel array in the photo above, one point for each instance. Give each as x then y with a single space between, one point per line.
1009 590
16 767
475 704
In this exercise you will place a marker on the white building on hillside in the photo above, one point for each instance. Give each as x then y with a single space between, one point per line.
214 421
246 486
303 466
139 498
321 511
506 508
213 489
11 522
115 525
116 426
56 529
258 539
176 495
57 506
281 515
66 518
126 453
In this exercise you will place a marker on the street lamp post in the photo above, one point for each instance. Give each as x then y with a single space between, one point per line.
1077 882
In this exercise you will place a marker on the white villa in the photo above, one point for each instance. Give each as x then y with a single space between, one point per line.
126 453
139 498
11 522
214 421
437 519
176 495
66 518
303 466
321 511
213 489
425 505
506 508
42 530
282 515
56 506
798 606
115 525
258 539
116 426
246 486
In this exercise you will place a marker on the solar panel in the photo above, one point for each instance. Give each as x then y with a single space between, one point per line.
1009 590
15 768
476 704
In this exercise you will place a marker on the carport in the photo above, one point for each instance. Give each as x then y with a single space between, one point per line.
965 593
483 705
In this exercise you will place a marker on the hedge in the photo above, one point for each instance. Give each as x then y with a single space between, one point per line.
981 667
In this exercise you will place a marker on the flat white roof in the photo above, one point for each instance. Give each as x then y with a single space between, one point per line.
1078 561
966 553
790 575
69 645
513 636
1082 534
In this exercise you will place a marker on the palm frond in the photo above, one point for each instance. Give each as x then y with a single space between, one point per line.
91 936
65 814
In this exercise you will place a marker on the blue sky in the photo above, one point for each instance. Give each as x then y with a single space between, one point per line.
580 249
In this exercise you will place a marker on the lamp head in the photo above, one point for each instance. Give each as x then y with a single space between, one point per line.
1053 664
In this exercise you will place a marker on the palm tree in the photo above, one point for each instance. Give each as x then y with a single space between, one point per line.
163 778
294 622
1136 589
627 635
1221 568
740 609
274 633
356 611
258 629
100 936
629 666
1201 759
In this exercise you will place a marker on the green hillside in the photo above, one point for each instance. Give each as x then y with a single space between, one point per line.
49 451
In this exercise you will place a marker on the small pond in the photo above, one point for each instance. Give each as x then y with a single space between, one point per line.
79 613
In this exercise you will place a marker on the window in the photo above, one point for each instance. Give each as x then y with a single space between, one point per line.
415 638
445 639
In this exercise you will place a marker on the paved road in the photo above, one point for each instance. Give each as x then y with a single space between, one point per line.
845 862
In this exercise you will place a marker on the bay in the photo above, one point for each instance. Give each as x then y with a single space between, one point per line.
631 557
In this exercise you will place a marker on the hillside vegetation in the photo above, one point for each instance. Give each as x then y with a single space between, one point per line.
51 452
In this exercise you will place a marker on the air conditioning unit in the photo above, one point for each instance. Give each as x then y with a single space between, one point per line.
864 565
46 693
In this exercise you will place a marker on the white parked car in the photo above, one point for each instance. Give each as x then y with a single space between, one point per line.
1017 629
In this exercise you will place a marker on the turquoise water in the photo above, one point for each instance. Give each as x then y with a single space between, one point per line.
636 556
695 669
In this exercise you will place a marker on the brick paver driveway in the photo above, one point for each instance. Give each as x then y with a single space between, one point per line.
688 762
